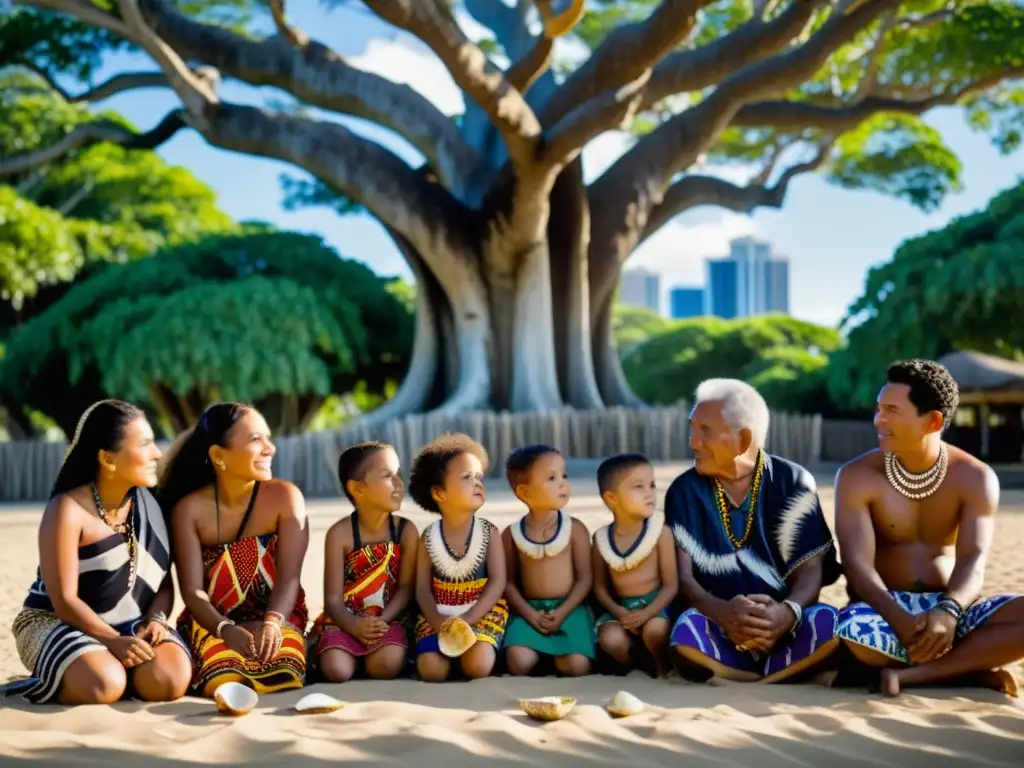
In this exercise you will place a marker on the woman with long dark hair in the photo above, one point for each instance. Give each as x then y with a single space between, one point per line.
94 624
240 537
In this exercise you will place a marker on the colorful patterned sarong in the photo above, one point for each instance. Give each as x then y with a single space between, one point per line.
454 599
637 603
239 580
575 636
371 579
694 630
861 624
753 549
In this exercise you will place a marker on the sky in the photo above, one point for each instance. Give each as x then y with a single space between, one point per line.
831 236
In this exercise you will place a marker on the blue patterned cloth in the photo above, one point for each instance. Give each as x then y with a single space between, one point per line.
817 629
789 528
861 624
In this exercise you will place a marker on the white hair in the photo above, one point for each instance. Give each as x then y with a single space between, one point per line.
742 406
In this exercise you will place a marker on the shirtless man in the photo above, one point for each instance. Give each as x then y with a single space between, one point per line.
635 571
915 520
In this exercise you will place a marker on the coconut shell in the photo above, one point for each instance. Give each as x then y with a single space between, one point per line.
548 708
455 638
235 699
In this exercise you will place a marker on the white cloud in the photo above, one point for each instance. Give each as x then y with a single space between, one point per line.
406 60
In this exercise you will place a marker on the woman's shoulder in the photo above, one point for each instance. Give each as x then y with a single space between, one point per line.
67 507
283 495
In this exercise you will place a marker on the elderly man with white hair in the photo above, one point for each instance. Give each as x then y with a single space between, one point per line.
754 548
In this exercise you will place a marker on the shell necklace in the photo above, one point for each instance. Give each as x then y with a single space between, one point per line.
458 567
917 485
126 528
537 550
637 552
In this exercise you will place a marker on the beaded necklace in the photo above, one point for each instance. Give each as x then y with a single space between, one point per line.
126 528
723 506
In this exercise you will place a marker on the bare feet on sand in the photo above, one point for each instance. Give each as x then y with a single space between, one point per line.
997 680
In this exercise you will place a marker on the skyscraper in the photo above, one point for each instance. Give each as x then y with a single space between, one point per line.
750 281
685 302
640 288
722 289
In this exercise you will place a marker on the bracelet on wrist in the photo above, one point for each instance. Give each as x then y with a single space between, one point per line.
798 613
220 628
273 617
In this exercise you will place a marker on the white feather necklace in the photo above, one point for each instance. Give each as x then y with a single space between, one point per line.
639 551
537 550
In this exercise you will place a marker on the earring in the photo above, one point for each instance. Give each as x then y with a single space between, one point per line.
110 471
220 467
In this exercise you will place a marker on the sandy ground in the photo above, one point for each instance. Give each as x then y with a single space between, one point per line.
455 724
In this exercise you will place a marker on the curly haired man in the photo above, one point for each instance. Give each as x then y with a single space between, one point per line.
915 520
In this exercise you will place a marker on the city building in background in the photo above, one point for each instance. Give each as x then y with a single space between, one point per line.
640 288
750 281
686 302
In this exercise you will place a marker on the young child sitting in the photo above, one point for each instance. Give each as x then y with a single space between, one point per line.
635 574
369 570
461 565
547 555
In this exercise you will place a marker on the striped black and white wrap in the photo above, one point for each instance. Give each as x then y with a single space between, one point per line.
104 576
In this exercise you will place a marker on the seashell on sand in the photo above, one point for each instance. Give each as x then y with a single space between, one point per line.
317 703
548 708
455 638
624 704
235 699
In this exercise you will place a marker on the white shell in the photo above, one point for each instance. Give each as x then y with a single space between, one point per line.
548 708
624 704
235 699
316 703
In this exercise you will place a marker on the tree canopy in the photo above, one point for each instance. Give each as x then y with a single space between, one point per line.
784 358
273 318
102 202
497 216
957 288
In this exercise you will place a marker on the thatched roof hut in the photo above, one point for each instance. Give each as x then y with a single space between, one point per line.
986 378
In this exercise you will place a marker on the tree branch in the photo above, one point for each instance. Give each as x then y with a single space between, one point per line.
624 56
321 78
688 71
93 133
532 66
86 12
693 191
623 197
614 109
795 115
471 70
293 35
125 81
403 199
194 93
874 59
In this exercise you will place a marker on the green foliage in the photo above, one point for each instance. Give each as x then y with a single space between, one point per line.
898 155
635 325
1000 113
783 357
35 245
101 203
246 315
961 287
894 154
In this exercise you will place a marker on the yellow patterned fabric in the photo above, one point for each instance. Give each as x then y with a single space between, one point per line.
454 598
217 664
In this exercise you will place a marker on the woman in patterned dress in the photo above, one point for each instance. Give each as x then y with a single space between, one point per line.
240 538
94 625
